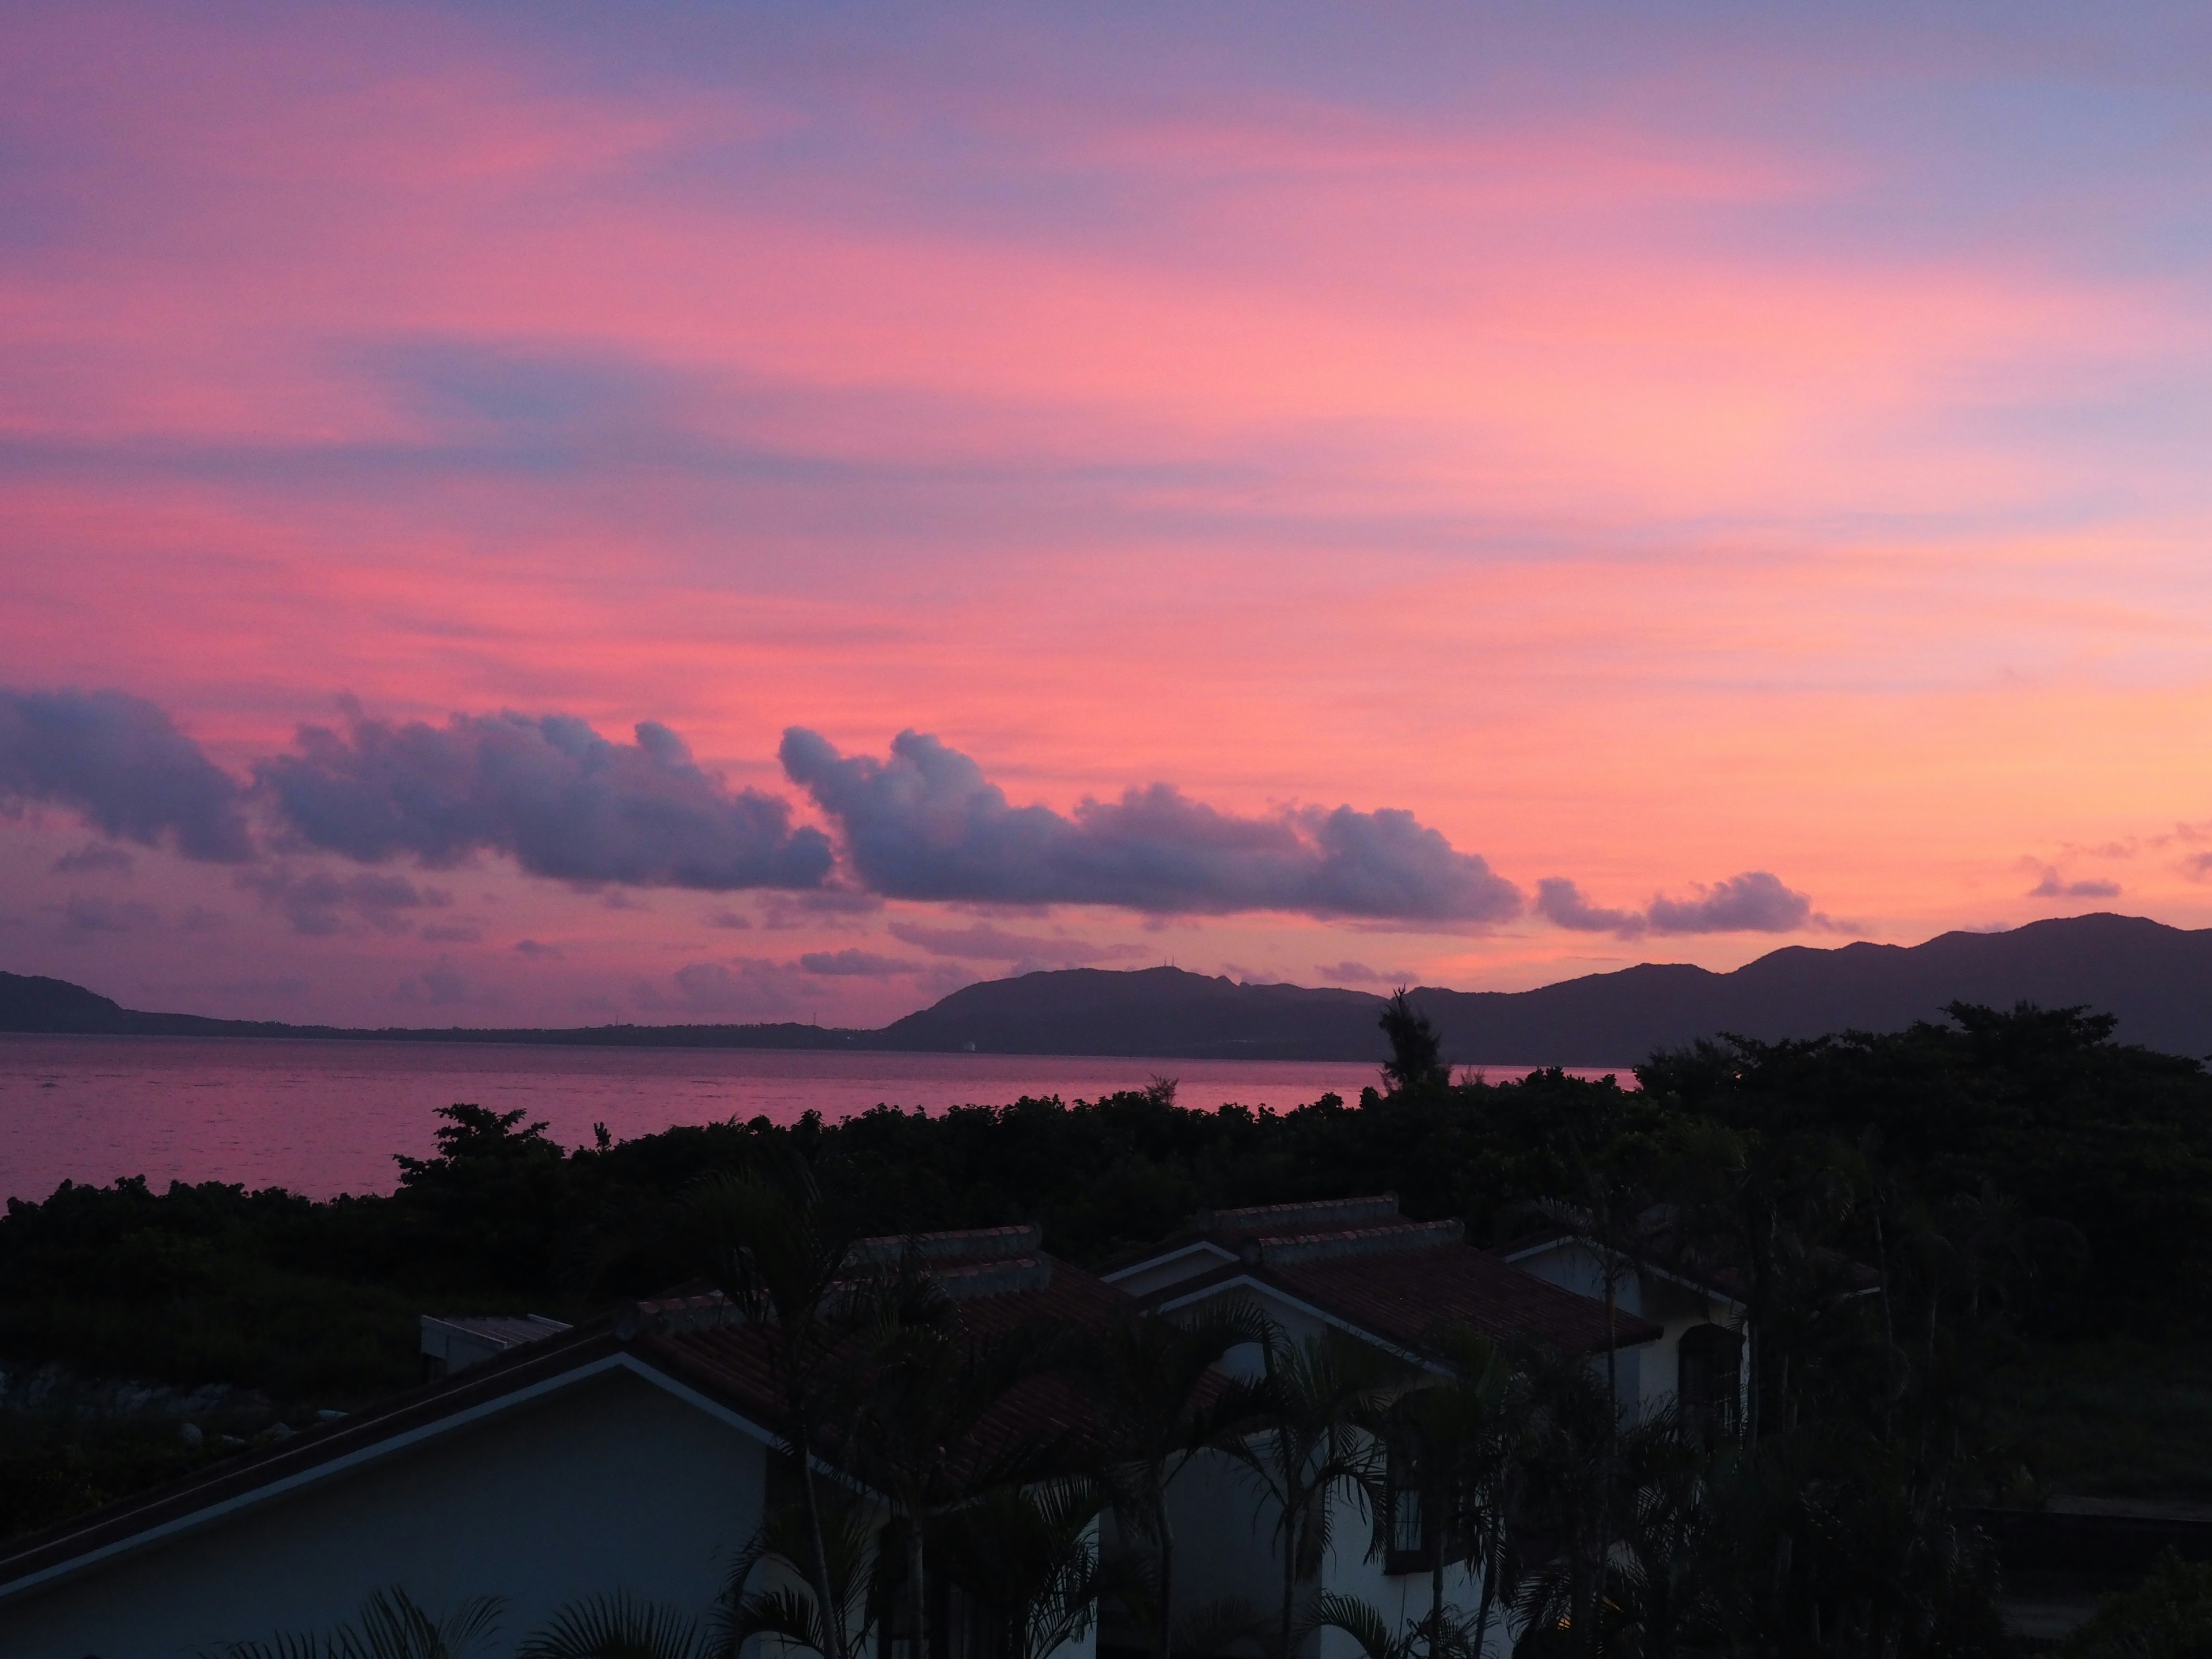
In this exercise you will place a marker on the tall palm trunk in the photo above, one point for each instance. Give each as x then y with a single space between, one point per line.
1435 1521
1163 1642
1293 1548
1493 1562
918 1588
810 1499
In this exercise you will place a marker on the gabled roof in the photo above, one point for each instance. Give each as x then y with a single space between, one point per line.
1398 1297
699 1347
1661 1253
1225 1235
1361 1264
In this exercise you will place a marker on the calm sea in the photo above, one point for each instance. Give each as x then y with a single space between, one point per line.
326 1117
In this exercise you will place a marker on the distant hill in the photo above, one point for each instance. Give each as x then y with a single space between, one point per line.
1146 1011
2156 979
56 1007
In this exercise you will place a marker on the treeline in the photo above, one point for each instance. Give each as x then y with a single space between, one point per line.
2021 1163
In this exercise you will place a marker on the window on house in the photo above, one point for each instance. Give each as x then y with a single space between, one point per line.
965 1633
902 1623
954 1626
1708 1387
1405 1542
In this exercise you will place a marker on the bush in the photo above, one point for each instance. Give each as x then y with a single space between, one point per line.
2167 1616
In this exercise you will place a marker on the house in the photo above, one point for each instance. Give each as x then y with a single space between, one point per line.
633 1451
1699 1363
455 1343
1360 1268
640 1451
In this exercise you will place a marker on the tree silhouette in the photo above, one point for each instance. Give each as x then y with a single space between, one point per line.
1416 1053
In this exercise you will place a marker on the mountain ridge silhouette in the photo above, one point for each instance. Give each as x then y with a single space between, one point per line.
2155 979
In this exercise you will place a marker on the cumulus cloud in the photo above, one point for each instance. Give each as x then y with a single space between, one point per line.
984 942
731 919
1755 902
852 964
546 790
123 765
928 824
317 902
1560 903
536 951
2053 885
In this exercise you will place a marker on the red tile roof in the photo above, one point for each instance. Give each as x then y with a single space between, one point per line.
1663 1253
1360 1260
1399 1297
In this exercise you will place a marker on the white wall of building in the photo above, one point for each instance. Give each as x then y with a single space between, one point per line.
612 1482
1648 1374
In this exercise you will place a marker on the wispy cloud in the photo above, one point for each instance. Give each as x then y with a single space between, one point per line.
1755 902
854 963
2049 884
319 902
983 942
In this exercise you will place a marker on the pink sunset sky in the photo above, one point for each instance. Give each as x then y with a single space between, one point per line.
553 513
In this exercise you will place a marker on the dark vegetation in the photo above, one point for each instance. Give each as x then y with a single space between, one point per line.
2032 1200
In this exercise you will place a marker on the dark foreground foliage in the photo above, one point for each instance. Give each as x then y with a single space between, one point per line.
2027 1191
2167 1616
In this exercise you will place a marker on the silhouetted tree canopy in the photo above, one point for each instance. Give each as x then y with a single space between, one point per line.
1416 1054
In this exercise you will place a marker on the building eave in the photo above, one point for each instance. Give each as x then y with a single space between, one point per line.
339 1449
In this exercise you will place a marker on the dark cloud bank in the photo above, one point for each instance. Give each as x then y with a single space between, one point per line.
123 764
922 823
928 824
560 800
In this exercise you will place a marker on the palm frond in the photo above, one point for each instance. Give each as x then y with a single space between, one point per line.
1215 1629
1360 1621
282 1645
786 1614
390 1625
617 1626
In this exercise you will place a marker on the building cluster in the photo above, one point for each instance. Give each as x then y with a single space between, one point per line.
643 1451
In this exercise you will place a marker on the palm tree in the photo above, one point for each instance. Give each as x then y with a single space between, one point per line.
1028 1556
1566 1464
1316 1397
1664 1582
1609 1213
771 1242
798 1617
390 1625
1457 1429
923 1387
1159 1402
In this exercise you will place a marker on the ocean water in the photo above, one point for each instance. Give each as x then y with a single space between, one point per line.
322 1118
